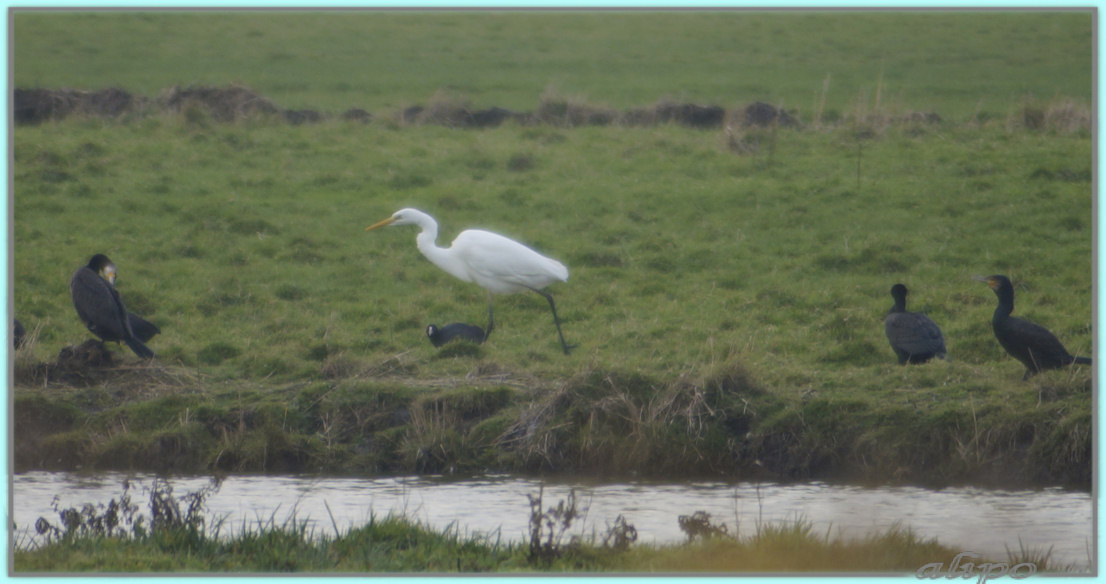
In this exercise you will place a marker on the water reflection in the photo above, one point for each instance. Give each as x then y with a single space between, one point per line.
981 520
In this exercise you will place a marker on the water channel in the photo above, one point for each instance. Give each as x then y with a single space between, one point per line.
985 521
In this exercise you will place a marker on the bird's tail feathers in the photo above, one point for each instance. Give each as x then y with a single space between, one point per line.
1082 360
139 349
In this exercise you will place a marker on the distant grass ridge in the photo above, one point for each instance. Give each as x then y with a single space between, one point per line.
962 64
235 103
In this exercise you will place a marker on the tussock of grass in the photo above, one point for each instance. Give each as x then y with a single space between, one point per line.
618 422
1060 115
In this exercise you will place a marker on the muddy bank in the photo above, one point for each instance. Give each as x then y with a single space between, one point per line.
611 423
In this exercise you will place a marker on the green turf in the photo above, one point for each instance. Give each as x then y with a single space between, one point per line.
958 63
691 252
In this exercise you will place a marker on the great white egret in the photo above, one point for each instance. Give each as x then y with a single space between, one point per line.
1032 344
99 306
495 263
458 330
914 337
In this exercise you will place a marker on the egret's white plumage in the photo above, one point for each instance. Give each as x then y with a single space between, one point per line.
497 264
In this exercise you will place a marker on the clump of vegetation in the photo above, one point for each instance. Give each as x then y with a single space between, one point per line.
698 526
617 421
122 518
548 528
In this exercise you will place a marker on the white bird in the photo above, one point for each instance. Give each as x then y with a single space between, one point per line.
495 263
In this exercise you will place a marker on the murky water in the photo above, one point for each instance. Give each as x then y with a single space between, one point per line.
985 521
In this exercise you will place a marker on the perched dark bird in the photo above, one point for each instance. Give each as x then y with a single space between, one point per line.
101 309
18 333
457 330
913 336
1032 344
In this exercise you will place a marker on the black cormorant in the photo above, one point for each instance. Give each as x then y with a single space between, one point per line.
1029 343
100 308
457 330
914 337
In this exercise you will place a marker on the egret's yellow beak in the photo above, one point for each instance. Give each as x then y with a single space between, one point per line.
383 223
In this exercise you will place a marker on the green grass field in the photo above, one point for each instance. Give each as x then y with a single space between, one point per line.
958 63
689 261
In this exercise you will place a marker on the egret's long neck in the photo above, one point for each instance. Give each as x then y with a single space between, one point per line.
439 256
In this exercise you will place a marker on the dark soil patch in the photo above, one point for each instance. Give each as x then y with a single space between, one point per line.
690 114
76 365
33 106
765 115
490 118
92 364
306 116
357 115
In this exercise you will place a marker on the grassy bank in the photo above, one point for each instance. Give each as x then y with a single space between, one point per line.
396 545
600 422
174 534
727 286
726 305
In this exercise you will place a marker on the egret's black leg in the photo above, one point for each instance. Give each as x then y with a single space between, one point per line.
491 319
556 320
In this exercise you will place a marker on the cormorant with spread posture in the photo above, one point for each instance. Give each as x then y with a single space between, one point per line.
914 337
1032 344
101 309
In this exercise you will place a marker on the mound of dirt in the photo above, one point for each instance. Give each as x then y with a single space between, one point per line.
81 364
89 354
357 114
458 116
489 118
225 104
766 115
76 365
690 114
33 106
